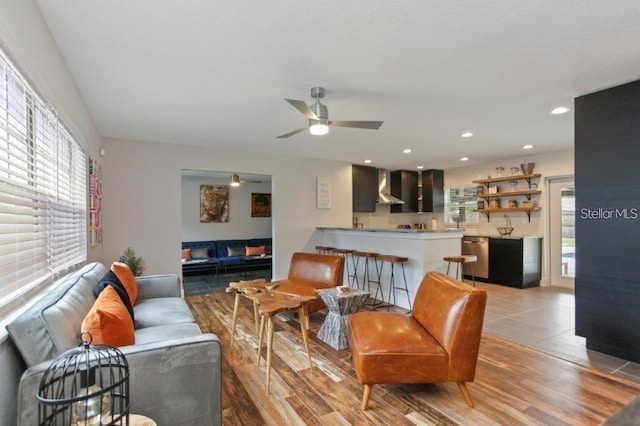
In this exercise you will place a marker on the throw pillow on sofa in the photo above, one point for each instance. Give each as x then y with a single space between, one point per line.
111 279
255 251
236 251
201 253
127 279
186 254
108 321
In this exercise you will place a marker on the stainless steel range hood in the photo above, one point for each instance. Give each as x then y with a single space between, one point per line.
384 189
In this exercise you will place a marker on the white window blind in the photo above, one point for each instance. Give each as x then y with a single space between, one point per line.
43 186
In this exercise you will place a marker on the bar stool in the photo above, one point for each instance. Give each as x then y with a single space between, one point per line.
462 259
366 276
345 253
325 249
393 260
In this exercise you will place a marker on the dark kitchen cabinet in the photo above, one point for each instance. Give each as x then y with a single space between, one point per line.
364 188
432 191
515 262
404 185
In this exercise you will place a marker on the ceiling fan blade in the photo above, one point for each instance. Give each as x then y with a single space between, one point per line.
303 108
374 125
286 135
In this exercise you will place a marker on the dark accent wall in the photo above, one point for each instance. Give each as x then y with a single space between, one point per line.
607 179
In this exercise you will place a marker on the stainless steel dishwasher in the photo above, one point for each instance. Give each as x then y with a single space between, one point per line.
479 247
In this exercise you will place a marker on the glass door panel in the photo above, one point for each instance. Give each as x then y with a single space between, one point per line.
562 242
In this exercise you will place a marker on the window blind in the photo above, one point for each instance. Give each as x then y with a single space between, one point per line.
43 186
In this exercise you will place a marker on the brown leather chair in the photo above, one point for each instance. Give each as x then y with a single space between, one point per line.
438 342
309 272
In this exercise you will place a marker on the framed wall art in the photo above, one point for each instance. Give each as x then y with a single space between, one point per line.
214 203
260 205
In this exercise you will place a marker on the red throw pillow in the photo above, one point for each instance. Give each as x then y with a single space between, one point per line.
186 254
127 279
255 251
108 321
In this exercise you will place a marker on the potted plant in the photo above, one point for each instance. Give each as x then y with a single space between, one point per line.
136 264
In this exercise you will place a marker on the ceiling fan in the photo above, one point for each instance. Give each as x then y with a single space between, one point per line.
318 116
235 180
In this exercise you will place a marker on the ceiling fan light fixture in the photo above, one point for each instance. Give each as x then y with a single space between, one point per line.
319 127
235 180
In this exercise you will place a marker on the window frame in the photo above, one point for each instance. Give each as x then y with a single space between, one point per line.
43 191
470 205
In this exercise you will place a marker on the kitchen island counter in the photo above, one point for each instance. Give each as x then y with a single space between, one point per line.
425 250
397 230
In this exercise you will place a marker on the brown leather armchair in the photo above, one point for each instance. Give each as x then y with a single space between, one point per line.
438 342
309 272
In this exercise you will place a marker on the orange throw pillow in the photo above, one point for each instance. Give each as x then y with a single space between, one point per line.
127 279
255 251
186 254
108 321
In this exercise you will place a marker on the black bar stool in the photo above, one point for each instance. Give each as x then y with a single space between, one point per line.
461 260
393 260
366 275
325 249
345 253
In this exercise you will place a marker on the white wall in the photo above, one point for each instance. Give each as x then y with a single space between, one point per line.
240 226
142 201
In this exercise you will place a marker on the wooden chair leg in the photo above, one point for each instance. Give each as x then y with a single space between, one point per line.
365 396
236 305
465 393
260 334
306 321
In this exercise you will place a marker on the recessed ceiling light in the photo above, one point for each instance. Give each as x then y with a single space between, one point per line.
464 159
559 110
420 167
406 150
527 147
467 134
367 161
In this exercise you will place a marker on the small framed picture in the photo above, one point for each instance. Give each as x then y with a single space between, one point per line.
260 205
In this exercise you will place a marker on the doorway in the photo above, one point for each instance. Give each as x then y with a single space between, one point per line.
562 241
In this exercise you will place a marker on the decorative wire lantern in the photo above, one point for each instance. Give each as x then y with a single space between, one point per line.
87 385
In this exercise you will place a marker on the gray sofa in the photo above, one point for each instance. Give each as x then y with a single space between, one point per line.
175 370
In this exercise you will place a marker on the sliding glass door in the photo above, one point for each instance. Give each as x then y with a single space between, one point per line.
562 241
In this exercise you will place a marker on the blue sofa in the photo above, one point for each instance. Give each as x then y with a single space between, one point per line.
222 253
200 264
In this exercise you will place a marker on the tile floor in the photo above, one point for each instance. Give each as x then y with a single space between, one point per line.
543 318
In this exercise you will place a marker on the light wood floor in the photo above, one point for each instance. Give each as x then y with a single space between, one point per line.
514 384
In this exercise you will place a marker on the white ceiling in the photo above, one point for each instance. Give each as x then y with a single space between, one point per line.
215 73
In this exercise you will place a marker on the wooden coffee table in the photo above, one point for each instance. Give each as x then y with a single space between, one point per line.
267 302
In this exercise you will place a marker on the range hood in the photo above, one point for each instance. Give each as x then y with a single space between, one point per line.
384 189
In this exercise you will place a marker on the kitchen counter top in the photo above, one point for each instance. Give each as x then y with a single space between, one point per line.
506 237
398 230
